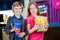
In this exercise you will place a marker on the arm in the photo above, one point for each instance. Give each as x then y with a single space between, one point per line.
33 29
28 26
8 28
24 29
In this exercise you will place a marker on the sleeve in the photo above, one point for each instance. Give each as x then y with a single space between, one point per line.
25 27
28 20
8 26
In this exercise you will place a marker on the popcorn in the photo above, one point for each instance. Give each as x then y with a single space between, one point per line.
42 21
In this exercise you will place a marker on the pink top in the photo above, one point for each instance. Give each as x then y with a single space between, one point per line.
35 35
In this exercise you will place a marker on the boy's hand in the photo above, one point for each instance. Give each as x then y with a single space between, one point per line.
21 34
13 29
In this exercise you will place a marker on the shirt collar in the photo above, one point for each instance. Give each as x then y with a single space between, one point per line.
18 18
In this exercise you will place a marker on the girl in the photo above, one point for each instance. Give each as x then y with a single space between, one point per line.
32 28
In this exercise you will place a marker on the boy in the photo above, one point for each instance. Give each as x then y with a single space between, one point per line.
16 22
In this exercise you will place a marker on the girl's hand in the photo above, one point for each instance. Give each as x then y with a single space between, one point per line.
36 27
46 27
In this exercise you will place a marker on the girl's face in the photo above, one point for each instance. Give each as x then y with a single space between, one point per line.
17 10
33 9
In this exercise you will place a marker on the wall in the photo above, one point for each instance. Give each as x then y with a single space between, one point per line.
10 13
54 12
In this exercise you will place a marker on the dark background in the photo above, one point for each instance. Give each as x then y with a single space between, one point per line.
1 17
7 4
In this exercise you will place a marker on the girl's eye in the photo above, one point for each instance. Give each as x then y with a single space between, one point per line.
34 8
31 8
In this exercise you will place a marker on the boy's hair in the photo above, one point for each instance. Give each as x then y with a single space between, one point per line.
17 4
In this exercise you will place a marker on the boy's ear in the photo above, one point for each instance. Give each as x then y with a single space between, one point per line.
12 10
22 10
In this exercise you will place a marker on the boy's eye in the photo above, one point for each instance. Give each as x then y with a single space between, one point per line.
15 8
20 8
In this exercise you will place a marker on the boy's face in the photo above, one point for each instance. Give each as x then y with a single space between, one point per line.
17 10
